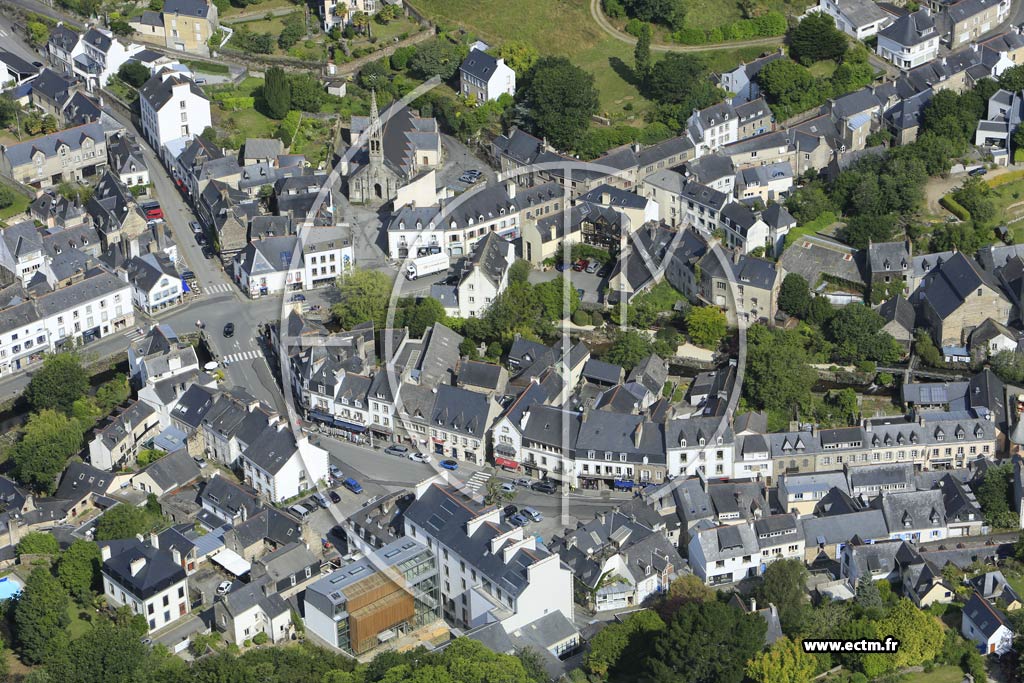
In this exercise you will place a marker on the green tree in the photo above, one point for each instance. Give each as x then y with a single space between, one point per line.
38 543
518 55
795 295
706 326
363 295
642 53
628 348
975 196
520 271
926 350
307 93
779 376
784 662
706 642
292 31
680 81
863 229
113 393
438 57
277 92
38 33
994 493
375 76
420 315
784 586
856 330
59 383
560 98
79 569
106 654
816 38
610 644
495 495
49 439
868 595
808 202
41 617
123 521
920 634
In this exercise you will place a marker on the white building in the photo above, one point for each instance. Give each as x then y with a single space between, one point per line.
986 626
714 127
250 609
910 41
780 537
859 19
102 56
483 276
148 580
693 446
156 284
280 467
21 250
485 77
173 110
725 554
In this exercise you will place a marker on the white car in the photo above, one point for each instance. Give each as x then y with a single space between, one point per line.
419 457
223 587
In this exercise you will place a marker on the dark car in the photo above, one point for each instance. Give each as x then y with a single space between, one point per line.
561 266
298 297
200 239
352 485
605 271
981 170
229 330
153 211
188 275
543 487
510 510
333 495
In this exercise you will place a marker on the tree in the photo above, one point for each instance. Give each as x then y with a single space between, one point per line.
920 634
926 350
779 376
519 56
495 495
608 645
38 33
669 13
863 229
816 38
108 653
520 271
133 73
38 543
628 348
363 295
49 439
686 588
784 586
1009 366
79 569
706 642
293 30
975 196
438 57
868 595
642 53
41 617
123 521
681 79
706 326
375 76
277 92
560 98
59 383
795 295
307 93
420 315
856 330
994 493
784 662
1012 79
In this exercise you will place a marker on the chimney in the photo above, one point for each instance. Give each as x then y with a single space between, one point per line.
137 565
510 188
753 604
154 540
105 552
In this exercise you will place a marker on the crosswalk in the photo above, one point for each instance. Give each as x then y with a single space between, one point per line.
135 334
238 357
477 480
218 288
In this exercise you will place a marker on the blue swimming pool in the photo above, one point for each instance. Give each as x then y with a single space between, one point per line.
9 587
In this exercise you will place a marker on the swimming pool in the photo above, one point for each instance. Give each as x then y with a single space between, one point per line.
10 586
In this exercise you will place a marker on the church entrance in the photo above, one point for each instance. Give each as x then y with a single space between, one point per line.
378 191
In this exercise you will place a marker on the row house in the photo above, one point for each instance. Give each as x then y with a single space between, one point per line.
280 466
118 440
700 446
70 155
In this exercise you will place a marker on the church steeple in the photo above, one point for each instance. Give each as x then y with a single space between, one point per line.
375 143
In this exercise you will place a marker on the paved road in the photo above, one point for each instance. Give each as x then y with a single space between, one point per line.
11 40
598 14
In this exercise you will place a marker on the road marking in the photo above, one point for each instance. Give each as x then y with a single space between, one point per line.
136 335
477 480
217 289
237 357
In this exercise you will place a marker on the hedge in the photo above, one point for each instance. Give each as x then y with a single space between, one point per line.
765 26
953 206
236 103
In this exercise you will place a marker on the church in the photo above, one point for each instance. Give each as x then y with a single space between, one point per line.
399 146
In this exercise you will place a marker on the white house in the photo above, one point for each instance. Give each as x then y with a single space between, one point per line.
102 56
119 438
483 276
714 127
693 446
145 578
64 47
250 609
280 467
724 554
780 537
859 19
173 110
21 250
910 41
986 626
326 254
485 77
155 282
744 229
269 266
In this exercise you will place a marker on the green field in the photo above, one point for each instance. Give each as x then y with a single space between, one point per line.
565 28
20 204
1009 201
940 674
256 10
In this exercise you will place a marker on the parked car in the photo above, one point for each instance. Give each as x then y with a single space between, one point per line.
352 485
518 520
506 487
200 239
524 482
510 510
605 271
152 211
419 457
196 228
333 495
531 514
335 472
561 266
299 511
397 449
580 265
320 499
223 587
298 297
594 266
188 275
450 465
981 170
229 330
543 486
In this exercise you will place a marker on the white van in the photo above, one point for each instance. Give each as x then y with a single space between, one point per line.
299 511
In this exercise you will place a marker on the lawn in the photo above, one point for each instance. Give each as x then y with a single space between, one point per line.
565 28
206 67
823 69
20 204
385 33
257 10
817 225
940 674
1009 202
79 626
273 25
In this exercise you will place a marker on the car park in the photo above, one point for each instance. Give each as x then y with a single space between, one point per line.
531 513
524 482
450 465
229 330
593 266
352 485
335 498
580 265
397 449
419 457
543 486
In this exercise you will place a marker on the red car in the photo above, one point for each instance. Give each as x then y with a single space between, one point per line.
580 265
153 212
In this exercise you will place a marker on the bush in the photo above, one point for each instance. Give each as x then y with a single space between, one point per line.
7 197
260 638
866 366
690 36
580 317
596 319
954 208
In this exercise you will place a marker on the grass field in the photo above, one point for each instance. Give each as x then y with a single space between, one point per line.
20 204
1009 201
565 28
256 10
940 674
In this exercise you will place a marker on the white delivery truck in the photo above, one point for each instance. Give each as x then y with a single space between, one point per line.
426 265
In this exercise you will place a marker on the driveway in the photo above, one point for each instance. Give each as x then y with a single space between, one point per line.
593 286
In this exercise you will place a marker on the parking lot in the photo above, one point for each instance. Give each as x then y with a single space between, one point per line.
206 579
592 284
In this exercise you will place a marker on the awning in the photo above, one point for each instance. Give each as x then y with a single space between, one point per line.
507 449
341 424
184 286
235 564
350 426
505 462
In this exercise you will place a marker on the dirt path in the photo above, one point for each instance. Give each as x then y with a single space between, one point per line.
938 187
598 14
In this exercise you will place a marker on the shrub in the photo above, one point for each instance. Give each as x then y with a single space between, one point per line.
954 208
260 638
580 317
690 36
596 319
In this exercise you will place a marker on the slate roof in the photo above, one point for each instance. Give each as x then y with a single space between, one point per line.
21 153
195 8
158 573
174 470
709 168
607 195
965 9
911 29
984 616
159 89
268 525
226 495
193 405
545 425
80 479
704 195
723 542
914 510
479 374
619 433
812 256
899 310
460 410
886 257
273 449
479 64
861 12
948 285
600 371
